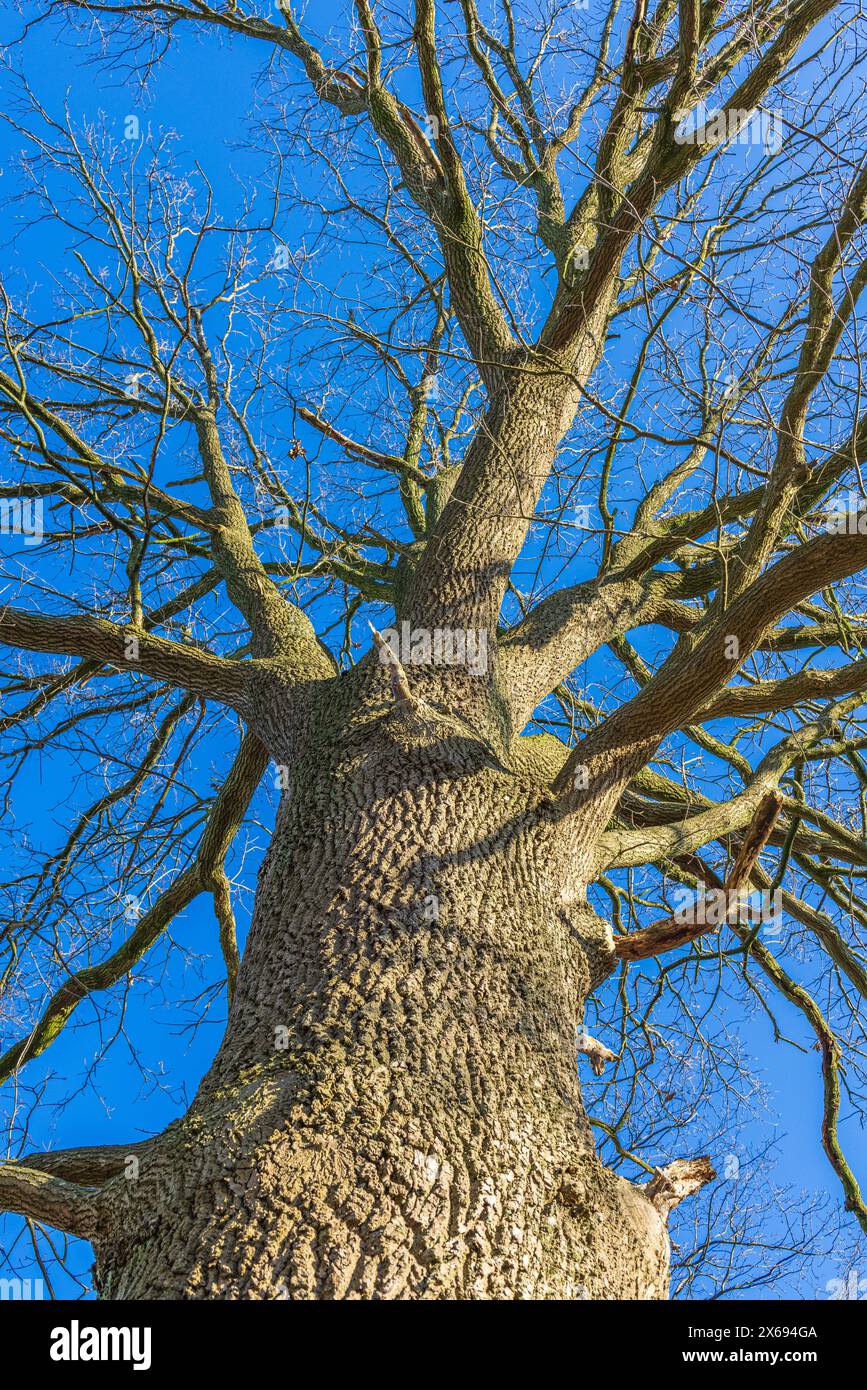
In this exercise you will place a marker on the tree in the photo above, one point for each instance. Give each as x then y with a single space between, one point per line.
612 256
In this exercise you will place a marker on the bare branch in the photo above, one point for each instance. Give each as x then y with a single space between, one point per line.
65 1205
129 648
673 932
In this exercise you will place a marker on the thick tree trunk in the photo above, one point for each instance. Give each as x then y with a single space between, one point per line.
395 1109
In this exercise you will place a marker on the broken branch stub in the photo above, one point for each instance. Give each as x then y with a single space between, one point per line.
403 696
672 932
677 1180
596 1051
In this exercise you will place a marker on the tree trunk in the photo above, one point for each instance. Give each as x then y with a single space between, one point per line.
395 1109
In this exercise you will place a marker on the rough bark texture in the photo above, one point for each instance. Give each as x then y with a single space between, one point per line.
395 1110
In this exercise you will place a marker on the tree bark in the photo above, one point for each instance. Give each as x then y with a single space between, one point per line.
395 1110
